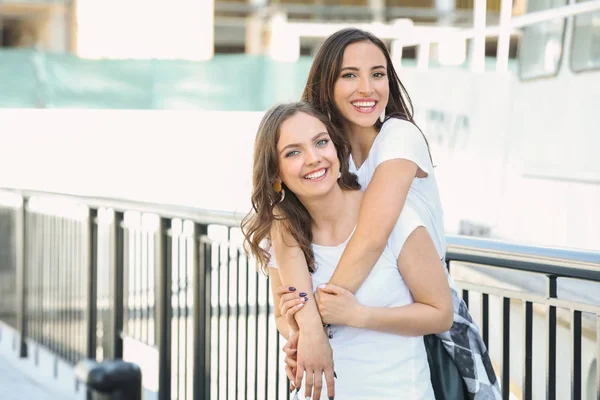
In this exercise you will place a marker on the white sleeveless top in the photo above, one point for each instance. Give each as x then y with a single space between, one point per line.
370 364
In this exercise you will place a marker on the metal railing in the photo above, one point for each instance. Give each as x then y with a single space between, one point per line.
91 273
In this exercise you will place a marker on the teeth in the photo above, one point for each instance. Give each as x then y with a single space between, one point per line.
364 103
315 175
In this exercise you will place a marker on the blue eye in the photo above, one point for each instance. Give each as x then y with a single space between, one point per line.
349 75
292 153
378 74
322 143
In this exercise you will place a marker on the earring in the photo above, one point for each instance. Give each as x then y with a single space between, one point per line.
339 174
279 189
382 116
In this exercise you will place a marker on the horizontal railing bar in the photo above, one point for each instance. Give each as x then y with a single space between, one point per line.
522 296
559 262
581 264
199 215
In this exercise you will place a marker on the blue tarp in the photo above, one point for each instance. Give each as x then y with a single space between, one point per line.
31 79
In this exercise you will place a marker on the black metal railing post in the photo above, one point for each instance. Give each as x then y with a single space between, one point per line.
202 313
117 285
164 309
92 277
576 355
21 256
528 357
506 348
92 289
551 293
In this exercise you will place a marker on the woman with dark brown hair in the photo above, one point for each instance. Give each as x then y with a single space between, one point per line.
301 181
354 83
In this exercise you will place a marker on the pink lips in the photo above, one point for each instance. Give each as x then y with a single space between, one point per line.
319 178
364 110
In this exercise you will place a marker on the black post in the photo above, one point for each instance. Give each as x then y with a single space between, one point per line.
21 253
506 348
164 309
551 293
202 314
576 355
528 360
117 285
92 277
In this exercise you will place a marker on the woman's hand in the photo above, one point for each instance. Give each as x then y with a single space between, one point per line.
291 350
315 359
337 305
289 304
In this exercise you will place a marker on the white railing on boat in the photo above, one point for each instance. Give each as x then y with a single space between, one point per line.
286 36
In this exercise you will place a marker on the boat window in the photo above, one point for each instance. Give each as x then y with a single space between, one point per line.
541 47
585 47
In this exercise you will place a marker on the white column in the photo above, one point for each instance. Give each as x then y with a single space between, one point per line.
57 29
377 10
447 7
255 28
478 48
504 36
285 42
206 38
423 56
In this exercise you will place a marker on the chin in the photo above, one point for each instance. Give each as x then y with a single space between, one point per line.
364 122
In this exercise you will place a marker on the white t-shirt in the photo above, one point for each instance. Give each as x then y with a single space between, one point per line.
401 139
370 364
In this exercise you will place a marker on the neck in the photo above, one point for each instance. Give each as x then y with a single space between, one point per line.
333 214
361 140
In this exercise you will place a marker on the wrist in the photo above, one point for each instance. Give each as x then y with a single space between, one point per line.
361 316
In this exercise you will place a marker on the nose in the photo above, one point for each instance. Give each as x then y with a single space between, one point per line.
312 157
365 88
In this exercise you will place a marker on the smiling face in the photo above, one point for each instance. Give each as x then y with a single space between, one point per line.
308 162
362 89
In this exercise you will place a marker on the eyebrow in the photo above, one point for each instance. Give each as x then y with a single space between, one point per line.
318 135
356 69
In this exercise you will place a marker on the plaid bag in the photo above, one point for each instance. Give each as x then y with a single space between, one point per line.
466 347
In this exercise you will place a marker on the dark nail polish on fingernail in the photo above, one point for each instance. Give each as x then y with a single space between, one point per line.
334 375
302 294
292 289
297 390
331 398
306 299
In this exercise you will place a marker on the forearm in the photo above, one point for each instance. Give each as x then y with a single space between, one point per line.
356 263
416 319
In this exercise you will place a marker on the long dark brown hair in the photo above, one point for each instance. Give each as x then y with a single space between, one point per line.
266 208
326 69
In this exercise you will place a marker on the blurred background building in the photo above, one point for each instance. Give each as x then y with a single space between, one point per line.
198 29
